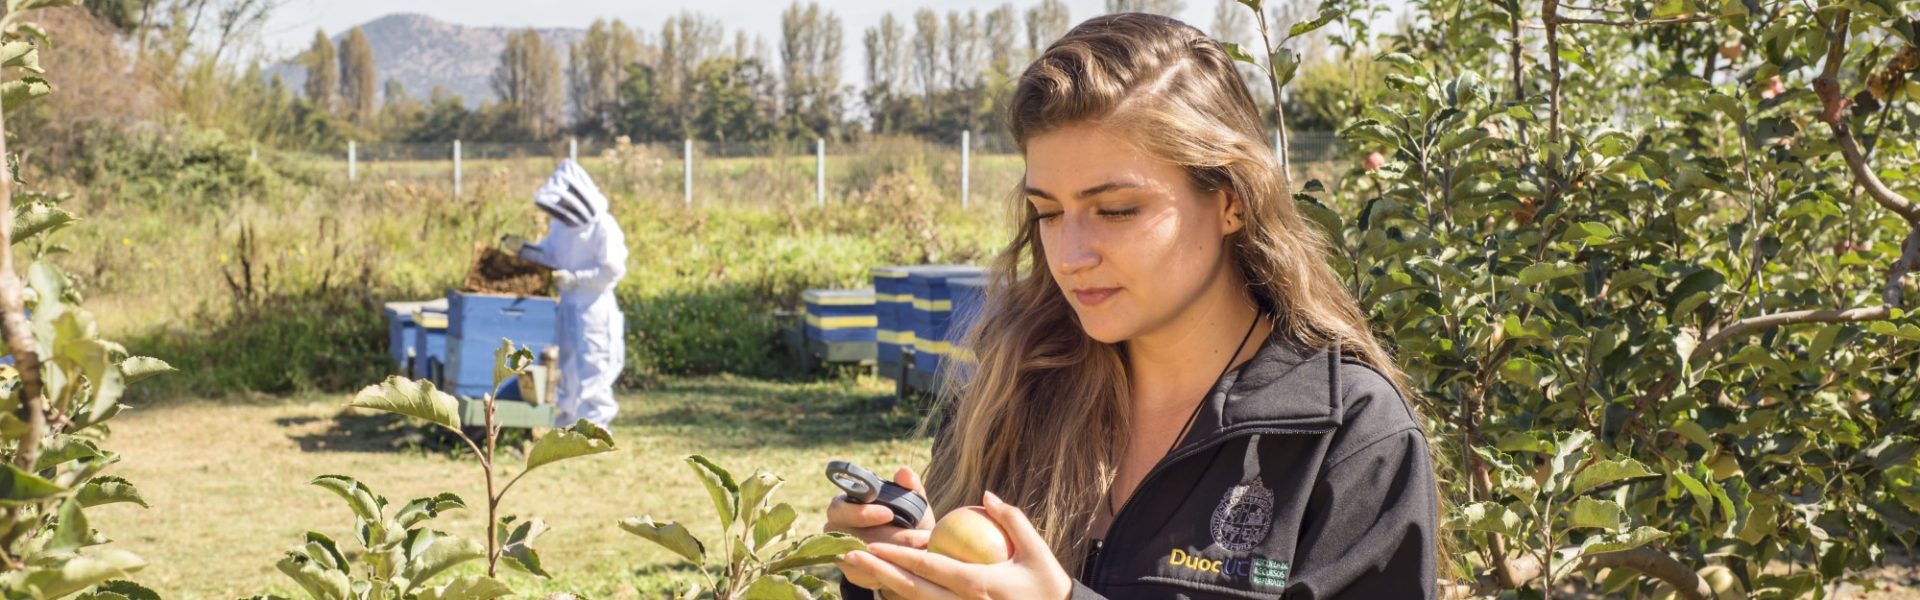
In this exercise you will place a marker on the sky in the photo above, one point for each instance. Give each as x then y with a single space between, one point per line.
291 26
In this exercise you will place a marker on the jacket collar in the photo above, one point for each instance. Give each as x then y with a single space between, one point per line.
1285 386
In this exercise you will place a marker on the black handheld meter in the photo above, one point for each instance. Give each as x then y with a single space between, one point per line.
863 487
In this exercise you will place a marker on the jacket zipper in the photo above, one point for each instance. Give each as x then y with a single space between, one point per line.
1099 557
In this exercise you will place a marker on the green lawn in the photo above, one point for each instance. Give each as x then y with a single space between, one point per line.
227 480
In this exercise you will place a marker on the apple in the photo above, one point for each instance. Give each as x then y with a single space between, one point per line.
1774 88
968 535
1725 585
1374 161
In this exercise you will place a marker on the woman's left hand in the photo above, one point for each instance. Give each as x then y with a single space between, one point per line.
912 574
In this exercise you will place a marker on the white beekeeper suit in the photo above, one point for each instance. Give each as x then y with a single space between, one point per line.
588 253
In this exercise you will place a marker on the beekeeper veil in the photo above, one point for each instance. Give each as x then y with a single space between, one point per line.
570 196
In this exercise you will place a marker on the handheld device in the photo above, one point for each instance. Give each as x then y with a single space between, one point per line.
863 487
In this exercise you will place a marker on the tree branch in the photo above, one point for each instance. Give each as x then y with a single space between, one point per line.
13 320
1833 112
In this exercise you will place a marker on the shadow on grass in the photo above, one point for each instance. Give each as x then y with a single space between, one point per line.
741 413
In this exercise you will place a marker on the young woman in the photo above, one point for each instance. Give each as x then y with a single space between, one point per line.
1175 396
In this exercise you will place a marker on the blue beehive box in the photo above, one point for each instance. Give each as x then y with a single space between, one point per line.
840 315
969 303
891 302
929 318
401 329
475 325
429 345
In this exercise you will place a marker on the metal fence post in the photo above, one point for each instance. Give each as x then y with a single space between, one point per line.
687 159
351 175
456 168
966 152
820 172
573 149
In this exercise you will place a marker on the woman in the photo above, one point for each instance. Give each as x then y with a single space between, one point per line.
1175 395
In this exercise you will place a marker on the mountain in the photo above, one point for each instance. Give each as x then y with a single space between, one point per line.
422 52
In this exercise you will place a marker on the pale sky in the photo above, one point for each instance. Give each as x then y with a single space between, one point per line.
292 25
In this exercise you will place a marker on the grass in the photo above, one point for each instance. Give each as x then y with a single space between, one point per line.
227 480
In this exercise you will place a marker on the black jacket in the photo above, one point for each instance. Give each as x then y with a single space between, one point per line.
1305 476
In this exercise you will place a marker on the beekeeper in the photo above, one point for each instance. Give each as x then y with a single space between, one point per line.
588 253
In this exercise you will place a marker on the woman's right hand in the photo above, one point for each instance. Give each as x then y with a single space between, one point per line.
872 523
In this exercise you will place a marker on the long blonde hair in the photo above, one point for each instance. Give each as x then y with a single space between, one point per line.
1038 419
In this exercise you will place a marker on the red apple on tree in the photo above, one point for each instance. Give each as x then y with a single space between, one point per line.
1374 161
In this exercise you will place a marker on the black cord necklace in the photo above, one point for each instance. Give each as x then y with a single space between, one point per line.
1191 417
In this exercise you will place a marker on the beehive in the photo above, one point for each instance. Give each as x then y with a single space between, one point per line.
929 319
841 325
429 345
401 329
969 303
475 325
891 302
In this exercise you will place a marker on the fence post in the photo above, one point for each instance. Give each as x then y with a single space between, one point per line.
687 159
573 149
456 168
1278 159
351 175
966 152
820 172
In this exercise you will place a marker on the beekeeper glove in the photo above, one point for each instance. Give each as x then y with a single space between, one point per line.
565 280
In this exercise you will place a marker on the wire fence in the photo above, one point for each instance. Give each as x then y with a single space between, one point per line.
691 171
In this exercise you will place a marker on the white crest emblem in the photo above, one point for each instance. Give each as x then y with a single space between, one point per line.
1243 518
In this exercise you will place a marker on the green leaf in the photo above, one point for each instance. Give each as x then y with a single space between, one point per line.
1684 344
34 219
817 549
516 545
420 509
1285 62
138 368
320 582
365 504
64 450
672 536
583 439
19 487
77 573
71 532
322 550
417 399
430 552
726 494
1402 62
1587 511
1239 53
755 490
775 587
509 361
126 589
776 524
1615 542
1460 139
1608 472
1303 27
473 587
16 94
1491 517
1589 233
20 54
108 489
1692 290
1538 273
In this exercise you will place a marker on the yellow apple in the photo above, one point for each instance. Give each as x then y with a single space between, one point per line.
968 535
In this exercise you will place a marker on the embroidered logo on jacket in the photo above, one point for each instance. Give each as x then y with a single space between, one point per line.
1243 518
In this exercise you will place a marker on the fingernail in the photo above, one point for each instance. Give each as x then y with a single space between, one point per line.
993 500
